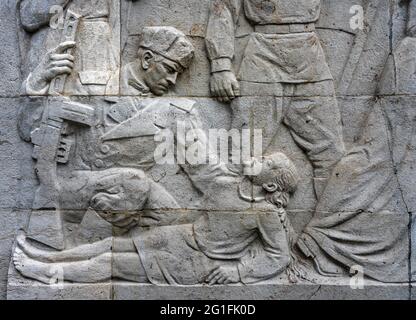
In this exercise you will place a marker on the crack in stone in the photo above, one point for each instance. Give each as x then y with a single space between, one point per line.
315 293
396 168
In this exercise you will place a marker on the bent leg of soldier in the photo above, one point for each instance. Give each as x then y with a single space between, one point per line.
312 115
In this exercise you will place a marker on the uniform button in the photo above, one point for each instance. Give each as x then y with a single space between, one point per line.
105 149
99 163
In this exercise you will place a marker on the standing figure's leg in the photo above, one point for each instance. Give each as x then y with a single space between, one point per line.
240 120
255 113
314 120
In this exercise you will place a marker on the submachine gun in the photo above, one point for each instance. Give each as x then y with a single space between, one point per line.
52 147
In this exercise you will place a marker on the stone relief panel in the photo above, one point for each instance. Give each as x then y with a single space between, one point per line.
230 148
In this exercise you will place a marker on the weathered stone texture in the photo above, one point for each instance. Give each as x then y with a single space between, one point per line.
91 100
10 53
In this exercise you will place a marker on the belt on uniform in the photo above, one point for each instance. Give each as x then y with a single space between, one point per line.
285 28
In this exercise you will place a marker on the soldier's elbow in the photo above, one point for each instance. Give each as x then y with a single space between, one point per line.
30 19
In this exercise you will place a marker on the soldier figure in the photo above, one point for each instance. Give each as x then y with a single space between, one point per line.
284 69
162 56
218 248
126 136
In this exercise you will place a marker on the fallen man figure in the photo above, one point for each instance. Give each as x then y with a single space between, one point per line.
214 250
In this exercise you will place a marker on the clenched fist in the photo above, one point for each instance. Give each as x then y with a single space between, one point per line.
224 86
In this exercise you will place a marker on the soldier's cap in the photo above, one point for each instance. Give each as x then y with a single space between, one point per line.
168 42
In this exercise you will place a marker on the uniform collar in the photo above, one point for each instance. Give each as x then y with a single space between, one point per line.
135 82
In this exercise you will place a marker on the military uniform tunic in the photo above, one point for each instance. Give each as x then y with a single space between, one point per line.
124 136
286 55
97 61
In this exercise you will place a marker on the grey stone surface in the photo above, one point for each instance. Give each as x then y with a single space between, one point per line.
10 54
413 255
12 160
281 291
104 195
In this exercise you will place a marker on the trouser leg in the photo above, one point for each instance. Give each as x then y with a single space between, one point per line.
126 262
241 120
314 120
255 114
128 266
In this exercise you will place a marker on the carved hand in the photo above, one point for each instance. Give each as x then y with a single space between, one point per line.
55 63
224 86
224 275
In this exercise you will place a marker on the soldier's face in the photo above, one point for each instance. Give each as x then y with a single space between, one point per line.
160 75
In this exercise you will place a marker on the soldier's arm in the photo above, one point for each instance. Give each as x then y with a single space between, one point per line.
201 168
221 32
272 255
220 39
35 14
411 24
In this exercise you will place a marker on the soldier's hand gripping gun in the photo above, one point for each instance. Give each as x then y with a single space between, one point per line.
57 85
52 147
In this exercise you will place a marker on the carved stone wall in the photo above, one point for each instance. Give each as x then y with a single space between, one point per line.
116 183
